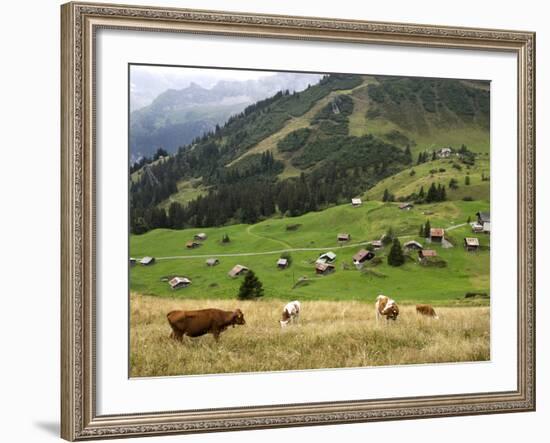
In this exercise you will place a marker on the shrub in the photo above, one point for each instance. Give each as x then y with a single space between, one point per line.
251 287
467 199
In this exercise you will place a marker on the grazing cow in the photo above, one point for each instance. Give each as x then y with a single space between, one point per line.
291 313
426 310
203 321
386 307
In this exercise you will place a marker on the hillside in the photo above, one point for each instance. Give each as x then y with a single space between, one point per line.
258 247
299 152
177 116
440 171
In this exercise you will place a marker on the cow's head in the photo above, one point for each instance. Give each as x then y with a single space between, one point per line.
238 317
393 313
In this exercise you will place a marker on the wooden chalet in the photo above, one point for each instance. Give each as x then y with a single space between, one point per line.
282 263
237 270
192 244
376 244
323 268
179 282
471 243
437 235
146 261
201 236
407 206
412 245
212 262
342 237
327 257
362 256
356 202
426 253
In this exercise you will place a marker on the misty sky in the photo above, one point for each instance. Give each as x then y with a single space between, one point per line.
147 82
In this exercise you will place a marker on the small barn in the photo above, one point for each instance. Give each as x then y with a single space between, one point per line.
179 282
471 243
444 152
356 202
412 245
201 236
133 261
342 237
483 217
487 228
212 262
362 256
426 253
437 235
237 270
376 244
146 261
323 268
192 244
327 257
282 263
476 227
407 206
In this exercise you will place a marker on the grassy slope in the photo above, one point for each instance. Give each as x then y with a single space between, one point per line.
409 283
475 137
329 335
403 184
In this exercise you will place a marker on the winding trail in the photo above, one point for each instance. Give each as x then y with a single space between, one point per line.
280 251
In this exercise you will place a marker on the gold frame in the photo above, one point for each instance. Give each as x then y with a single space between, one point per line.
79 22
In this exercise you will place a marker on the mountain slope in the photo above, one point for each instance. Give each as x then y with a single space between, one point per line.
176 117
296 153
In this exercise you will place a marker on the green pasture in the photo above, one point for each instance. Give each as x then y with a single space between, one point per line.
411 283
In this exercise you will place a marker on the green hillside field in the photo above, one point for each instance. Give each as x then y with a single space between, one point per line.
259 246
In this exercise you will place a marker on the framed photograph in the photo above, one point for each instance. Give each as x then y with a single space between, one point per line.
275 221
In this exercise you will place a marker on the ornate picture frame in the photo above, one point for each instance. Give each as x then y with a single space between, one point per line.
80 22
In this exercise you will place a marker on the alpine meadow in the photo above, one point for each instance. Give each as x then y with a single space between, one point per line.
283 221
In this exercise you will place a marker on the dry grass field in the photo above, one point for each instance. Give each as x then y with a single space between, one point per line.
330 335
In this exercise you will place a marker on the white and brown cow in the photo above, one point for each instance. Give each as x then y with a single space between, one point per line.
291 313
386 307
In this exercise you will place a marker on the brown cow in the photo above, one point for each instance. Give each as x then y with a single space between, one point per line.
203 321
426 310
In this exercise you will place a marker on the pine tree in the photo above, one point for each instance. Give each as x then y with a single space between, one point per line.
427 229
225 238
408 155
434 156
467 180
421 231
388 236
442 194
421 194
432 194
386 196
251 287
396 257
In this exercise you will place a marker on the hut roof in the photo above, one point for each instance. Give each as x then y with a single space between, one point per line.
471 241
437 232
212 261
428 253
343 235
362 255
356 201
282 262
323 266
237 269
328 256
412 243
178 281
147 260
